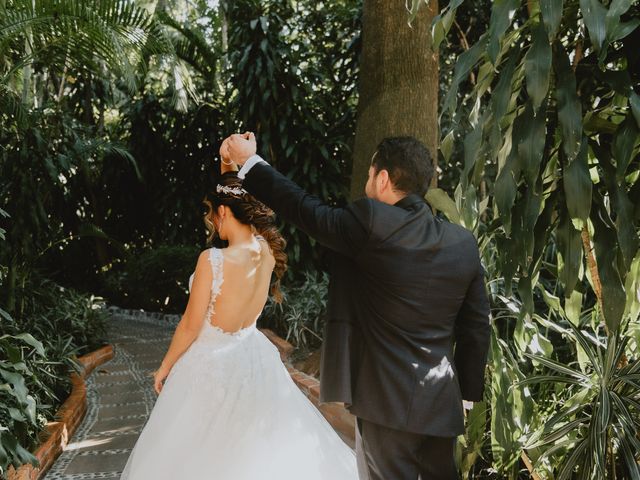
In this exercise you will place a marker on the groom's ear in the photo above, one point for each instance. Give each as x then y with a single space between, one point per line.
382 179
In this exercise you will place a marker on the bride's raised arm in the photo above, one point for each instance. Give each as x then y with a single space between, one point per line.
226 164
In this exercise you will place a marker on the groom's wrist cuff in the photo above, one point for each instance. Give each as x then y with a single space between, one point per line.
249 164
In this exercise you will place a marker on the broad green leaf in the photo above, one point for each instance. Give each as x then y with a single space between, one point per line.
501 96
569 108
17 415
551 15
463 67
442 23
505 192
438 199
578 186
17 382
30 409
525 215
632 287
606 249
5 315
472 150
469 209
502 12
29 340
623 30
595 15
573 307
446 146
537 66
617 30
624 141
634 101
530 128
625 225
622 206
569 253
619 7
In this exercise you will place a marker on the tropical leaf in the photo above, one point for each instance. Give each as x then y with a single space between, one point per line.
502 12
464 65
613 295
595 18
439 200
578 187
551 11
537 67
569 108
531 129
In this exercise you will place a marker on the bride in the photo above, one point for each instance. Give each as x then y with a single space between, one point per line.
227 408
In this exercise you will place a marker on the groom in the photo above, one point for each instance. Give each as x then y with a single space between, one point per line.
408 329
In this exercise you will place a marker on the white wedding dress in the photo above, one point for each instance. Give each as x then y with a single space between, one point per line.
230 411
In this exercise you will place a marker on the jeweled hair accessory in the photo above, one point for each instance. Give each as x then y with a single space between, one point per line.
231 190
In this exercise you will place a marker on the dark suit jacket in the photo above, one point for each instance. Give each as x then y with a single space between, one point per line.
408 329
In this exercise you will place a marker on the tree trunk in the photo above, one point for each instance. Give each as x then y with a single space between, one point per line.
398 82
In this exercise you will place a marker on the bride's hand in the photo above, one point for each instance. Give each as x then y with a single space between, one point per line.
158 378
226 165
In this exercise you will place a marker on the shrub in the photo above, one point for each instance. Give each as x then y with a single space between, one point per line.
300 317
156 279
38 350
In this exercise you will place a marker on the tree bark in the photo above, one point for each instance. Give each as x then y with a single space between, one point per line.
398 82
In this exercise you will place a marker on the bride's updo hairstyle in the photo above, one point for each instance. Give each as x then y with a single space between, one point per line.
248 211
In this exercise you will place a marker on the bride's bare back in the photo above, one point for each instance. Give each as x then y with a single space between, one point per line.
247 270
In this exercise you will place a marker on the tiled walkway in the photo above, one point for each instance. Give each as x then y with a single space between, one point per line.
120 397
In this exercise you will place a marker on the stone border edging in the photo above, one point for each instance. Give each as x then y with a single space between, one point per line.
70 415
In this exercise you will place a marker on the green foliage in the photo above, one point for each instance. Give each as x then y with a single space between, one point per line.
156 279
37 353
53 56
300 317
62 34
600 404
296 90
549 163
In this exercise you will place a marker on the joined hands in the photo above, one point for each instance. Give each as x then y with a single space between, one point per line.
236 150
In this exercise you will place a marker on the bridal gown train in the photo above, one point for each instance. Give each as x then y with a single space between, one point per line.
230 411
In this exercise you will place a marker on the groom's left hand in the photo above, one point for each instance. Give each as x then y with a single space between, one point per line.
241 147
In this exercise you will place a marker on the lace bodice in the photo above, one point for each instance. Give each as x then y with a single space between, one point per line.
216 258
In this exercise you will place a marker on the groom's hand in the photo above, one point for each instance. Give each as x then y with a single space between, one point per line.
241 147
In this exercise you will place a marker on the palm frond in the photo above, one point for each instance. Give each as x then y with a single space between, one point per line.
83 34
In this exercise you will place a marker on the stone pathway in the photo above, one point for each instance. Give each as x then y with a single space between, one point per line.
120 397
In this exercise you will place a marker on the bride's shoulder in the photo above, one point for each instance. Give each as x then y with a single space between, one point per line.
208 256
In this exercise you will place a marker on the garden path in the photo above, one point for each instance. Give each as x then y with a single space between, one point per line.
120 398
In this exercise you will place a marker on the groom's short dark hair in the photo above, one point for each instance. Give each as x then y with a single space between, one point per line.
408 162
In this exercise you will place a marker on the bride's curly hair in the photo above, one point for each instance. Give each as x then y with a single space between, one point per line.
249 211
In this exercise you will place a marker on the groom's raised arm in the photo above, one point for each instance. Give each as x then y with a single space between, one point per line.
345 230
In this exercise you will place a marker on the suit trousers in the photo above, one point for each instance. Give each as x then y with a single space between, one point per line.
387 454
